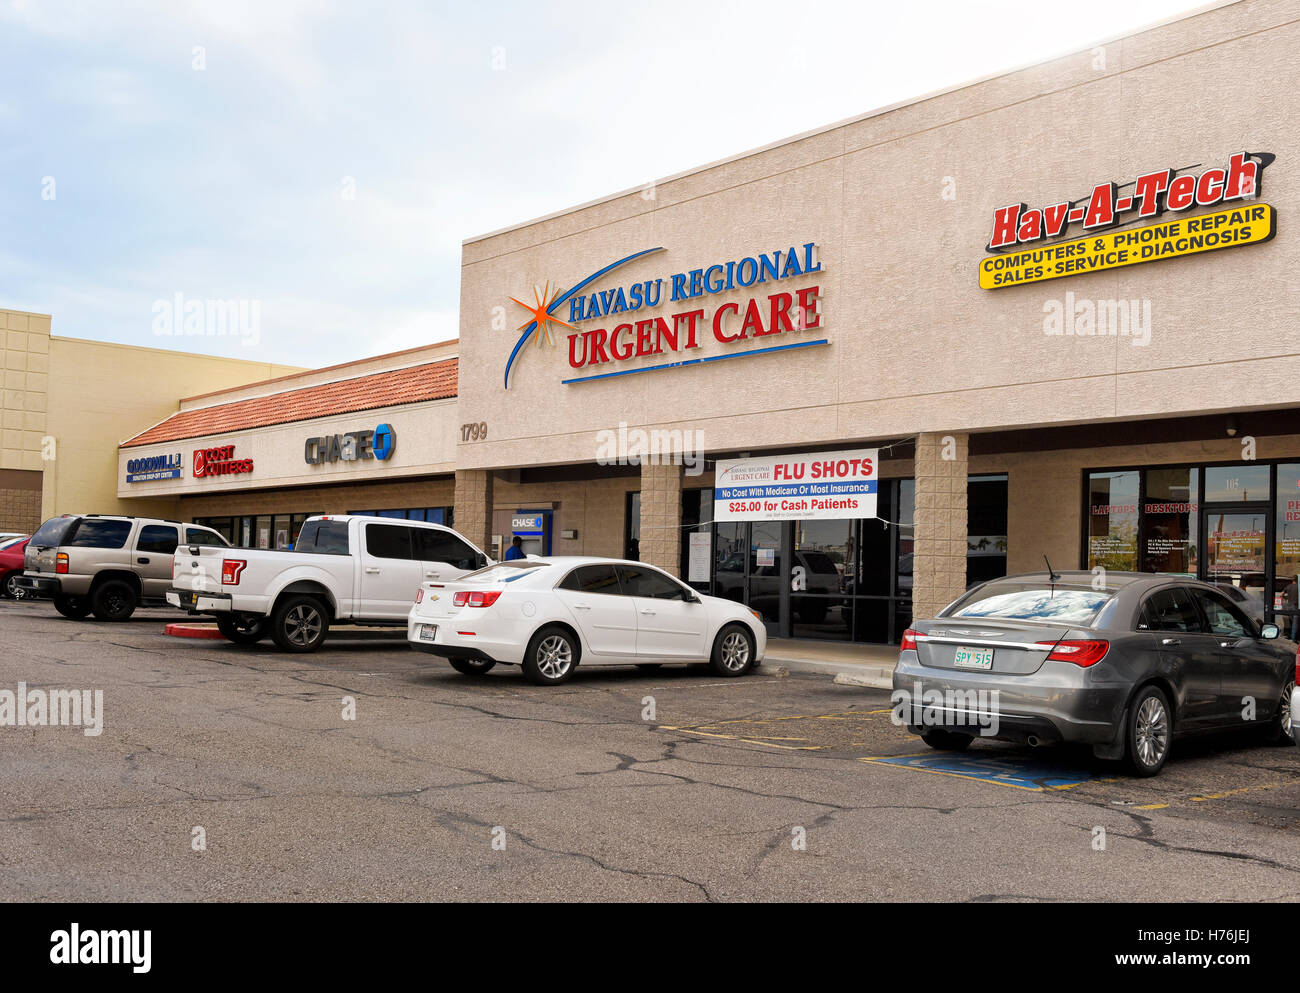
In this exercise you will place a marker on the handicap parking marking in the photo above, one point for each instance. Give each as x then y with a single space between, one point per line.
1018 773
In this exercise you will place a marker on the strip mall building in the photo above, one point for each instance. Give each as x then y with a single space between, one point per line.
1052 313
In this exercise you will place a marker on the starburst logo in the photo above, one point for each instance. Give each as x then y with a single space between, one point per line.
541 317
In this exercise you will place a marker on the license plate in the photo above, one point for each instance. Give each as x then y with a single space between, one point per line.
189 599
973 658
428 632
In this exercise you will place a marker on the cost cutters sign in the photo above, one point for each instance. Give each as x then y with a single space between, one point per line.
219 462
816 486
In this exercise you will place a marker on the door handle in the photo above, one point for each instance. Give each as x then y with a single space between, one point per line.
582 606
647 611
372 571
142 561
1170 641
431 575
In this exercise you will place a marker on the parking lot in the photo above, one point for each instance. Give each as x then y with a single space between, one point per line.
367 771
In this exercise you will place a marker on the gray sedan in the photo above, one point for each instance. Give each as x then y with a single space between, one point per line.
1124 664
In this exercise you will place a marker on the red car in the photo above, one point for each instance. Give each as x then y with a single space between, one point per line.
11 566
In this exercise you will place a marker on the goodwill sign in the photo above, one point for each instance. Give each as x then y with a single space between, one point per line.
814 486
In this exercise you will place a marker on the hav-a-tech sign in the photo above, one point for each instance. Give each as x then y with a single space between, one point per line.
1021 249
608 324
816 486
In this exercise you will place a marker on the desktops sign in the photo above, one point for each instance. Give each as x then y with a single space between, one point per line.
814 486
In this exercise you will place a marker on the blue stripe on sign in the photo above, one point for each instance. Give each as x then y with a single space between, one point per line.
710 358
794 489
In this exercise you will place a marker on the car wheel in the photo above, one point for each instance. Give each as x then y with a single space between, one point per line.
1149 733
946 741
1280 731
242 630
12 590
649 666
74 608
733 651
551 657
472 667
299 624
113 600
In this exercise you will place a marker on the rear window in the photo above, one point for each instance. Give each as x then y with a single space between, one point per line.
1037 602
95 533
323 537
52 532
202 536
504 572
10 542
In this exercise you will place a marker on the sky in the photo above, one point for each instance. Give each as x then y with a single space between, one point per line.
321 162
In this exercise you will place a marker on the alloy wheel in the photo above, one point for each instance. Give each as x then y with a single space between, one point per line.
1152 732
302 625
735 651
554 656
1284 713
12 589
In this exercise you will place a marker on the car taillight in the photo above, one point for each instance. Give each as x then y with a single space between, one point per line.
61 562
419 595
475 598
230 571
1081 653
908 644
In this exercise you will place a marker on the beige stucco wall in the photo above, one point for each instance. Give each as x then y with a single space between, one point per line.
916 346
99 394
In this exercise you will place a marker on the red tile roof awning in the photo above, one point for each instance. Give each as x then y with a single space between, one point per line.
432 381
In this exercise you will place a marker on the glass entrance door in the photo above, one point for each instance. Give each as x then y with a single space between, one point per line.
1235 552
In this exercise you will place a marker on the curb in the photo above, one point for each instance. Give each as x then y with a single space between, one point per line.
844 673
206 631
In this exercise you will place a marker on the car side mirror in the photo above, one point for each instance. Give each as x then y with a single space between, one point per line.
1269 631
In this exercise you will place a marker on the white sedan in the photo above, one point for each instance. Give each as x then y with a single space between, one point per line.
549 614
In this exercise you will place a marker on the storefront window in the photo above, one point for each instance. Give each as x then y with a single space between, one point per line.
1169 521
1287 546
1113 520
1236 483
697 538
825 554
986 538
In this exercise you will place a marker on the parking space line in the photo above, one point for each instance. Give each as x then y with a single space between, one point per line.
737 737
1227 793
997 771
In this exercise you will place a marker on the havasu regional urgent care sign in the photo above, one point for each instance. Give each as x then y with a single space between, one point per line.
815 486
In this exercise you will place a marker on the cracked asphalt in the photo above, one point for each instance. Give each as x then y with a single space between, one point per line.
450 788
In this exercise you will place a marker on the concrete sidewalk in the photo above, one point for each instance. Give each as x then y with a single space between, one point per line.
854 664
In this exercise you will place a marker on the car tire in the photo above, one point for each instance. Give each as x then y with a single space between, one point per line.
946 741
299 624
1279 730
733 651
11 591
74 608
113 600
552 655
1149 733
242 631
472 667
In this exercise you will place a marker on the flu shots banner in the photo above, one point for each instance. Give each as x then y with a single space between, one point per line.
813 486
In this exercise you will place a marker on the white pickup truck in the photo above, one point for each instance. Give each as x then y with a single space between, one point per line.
362 570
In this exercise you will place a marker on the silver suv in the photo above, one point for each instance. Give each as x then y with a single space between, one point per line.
105 564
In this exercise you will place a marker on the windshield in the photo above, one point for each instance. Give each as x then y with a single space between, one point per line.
52 532
1033 602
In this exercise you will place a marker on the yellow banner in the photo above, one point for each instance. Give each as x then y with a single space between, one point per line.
1248 224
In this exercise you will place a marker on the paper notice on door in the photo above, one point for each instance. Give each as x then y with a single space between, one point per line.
701 557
